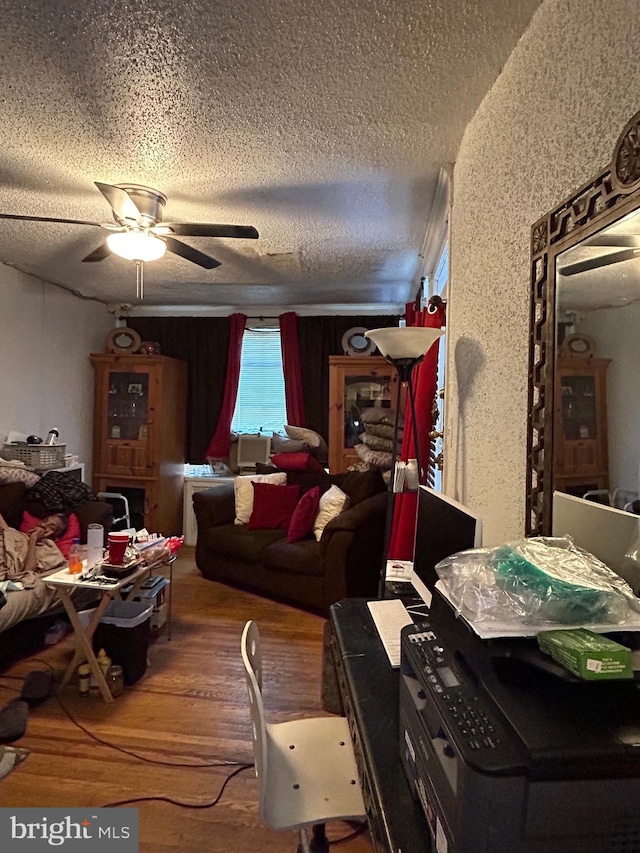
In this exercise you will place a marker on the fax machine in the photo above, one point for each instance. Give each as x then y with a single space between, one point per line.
507 756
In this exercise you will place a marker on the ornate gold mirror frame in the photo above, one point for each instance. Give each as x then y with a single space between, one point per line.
612 194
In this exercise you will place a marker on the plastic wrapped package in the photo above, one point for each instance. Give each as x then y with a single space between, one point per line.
540 581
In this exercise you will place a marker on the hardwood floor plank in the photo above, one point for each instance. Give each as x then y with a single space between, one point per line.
190 707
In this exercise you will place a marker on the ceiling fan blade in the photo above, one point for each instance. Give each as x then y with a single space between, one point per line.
190 254
615 241
98 254
603 261
195 229
120 201
48 219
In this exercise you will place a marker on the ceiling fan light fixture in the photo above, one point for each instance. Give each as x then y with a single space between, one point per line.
136 245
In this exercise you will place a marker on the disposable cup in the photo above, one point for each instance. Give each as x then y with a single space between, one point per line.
117 546
95 544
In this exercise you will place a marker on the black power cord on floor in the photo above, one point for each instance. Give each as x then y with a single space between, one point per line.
239 765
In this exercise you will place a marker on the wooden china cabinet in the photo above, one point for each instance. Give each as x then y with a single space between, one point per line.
355 383
139 434
580 445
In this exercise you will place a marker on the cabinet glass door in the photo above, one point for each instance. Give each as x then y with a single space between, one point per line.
363 392
579 415
128 409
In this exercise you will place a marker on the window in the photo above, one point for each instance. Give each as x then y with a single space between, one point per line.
261 403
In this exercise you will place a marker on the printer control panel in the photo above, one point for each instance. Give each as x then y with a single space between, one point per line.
460 709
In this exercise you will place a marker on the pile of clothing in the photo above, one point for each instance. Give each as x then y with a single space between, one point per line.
375 447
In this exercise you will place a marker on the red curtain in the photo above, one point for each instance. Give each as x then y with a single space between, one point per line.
220 444
424 381
291 368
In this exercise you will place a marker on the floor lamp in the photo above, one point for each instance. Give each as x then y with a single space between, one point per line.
404 347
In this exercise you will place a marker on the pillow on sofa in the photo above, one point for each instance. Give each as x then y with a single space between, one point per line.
65 542
279 444
301 524
296 462
243 488
273 506
315 441
360 485
332 502
17 474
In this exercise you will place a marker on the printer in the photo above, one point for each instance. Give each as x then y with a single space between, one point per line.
507 753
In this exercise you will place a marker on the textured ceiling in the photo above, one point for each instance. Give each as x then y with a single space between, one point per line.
322 124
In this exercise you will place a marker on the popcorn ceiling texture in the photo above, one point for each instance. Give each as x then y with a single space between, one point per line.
323 124
548 125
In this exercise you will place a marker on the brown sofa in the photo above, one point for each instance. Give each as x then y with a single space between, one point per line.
309 574
27 636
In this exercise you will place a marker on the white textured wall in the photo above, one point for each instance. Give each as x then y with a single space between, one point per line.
548 124
46 378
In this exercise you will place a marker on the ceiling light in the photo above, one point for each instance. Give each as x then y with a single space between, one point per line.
136 245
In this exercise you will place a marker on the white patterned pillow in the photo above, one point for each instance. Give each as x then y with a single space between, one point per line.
332 502
17 474
244 492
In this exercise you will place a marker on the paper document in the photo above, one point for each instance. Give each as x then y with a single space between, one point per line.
390 616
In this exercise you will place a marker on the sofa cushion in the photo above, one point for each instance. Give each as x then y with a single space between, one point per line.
331 504
315 441
273 505
18 474
287 445
296 462
297 558
360 485
243 489
239 543
301 524
11 500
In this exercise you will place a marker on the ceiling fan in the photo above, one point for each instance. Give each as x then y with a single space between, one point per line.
139 234
628 243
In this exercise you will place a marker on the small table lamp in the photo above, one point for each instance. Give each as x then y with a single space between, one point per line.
404 347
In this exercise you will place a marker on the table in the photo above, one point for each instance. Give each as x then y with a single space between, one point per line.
65 583
370 692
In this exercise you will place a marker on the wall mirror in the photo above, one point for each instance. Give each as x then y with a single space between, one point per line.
584 385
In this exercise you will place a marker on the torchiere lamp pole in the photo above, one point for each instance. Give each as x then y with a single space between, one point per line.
404 347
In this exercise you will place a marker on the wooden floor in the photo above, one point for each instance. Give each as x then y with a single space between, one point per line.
189 708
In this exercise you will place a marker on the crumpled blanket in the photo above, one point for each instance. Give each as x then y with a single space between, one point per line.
13 553
56 491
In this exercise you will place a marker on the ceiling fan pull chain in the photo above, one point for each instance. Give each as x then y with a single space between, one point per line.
140 280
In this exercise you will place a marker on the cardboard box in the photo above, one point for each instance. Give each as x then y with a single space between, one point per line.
586 654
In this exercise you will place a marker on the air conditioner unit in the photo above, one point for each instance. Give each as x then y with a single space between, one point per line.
251 450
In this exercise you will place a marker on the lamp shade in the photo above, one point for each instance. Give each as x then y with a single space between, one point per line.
399 342
136 245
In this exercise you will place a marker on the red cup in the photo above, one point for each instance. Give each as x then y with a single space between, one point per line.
117 546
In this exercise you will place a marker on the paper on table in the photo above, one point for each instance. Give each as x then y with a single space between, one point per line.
514 628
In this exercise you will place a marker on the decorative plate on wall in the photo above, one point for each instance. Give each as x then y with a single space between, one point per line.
577 345
355 343
122 340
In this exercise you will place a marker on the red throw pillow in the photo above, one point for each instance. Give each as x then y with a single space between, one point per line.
273 505
296 462
65 541
301 524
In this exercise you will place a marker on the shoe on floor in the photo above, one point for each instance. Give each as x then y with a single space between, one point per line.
13 720
37 686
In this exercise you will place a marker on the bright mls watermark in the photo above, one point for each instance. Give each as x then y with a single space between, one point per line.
113 830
